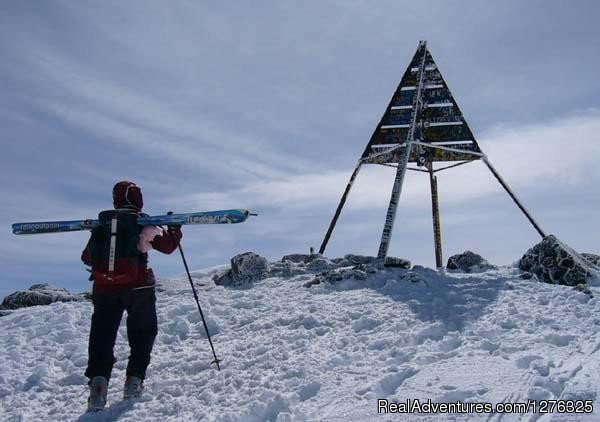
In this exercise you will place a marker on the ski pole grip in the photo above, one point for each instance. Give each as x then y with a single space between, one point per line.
171 226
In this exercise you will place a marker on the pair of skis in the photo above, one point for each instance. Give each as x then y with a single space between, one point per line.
202 217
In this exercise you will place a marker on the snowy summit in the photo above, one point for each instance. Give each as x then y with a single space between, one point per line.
295 350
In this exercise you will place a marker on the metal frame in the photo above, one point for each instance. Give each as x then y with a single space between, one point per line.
402 166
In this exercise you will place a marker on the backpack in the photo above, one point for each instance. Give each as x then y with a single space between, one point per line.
113 248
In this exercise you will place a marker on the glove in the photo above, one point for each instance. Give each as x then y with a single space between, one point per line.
174 230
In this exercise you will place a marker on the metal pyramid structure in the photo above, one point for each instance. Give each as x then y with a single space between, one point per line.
422 109
422 124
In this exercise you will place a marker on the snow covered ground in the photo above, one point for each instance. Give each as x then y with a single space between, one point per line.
323 353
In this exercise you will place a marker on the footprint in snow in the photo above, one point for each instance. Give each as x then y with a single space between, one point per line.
489 346
309 390
365 323
452 394
558 339
388 385
524 362
449 343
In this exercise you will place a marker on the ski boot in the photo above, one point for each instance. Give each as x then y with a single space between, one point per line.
133 387
98 392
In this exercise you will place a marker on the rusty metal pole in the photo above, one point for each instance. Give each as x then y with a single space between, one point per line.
339 208
435 211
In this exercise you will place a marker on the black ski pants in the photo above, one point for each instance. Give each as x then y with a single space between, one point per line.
141 331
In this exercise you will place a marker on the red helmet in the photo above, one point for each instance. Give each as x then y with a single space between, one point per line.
127 194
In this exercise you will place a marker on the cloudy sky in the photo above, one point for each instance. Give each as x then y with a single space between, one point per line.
267 105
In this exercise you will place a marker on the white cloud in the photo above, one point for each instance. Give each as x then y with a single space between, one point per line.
533 157
168 127
565 150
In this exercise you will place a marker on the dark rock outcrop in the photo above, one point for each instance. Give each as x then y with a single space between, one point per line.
246 268
469 262
296 257
391 261
318 263
413 277
286 268
358 272
38 294
552 263
359 259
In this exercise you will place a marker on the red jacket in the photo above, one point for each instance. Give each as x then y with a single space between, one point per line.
165 243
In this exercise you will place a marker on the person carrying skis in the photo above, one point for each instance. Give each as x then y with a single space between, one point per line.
117 253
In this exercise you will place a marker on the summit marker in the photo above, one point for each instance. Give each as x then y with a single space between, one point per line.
422 124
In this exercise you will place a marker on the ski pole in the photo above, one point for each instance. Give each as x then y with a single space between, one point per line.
217 360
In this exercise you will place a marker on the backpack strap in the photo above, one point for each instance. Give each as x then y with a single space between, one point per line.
113 244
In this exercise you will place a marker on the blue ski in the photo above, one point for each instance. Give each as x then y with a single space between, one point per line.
202 217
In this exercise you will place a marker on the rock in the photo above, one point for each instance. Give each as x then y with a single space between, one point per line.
359 259
391 261
584 289
359 275
375 266
227 279
592 258
38 294
358 272
413 277
319 263
246 268
528 276
296 257
313 282
469 262
341 262
286 269
370 269
250 265
553 264
335 276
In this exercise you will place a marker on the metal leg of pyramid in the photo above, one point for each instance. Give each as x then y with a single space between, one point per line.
513 196
386 236
339 208
435 211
